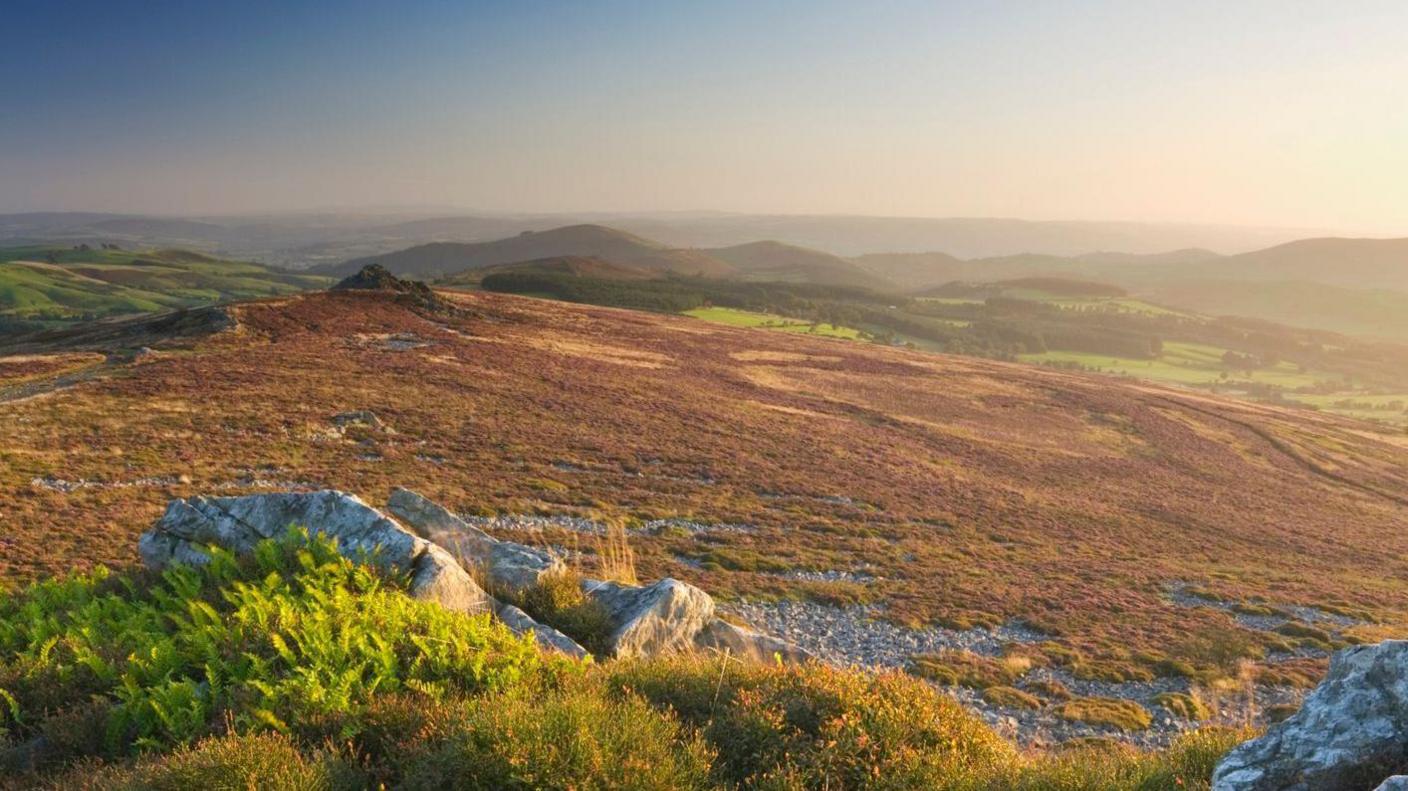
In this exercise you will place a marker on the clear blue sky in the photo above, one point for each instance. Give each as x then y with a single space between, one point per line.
1262 112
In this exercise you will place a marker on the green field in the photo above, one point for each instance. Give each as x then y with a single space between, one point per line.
53 285
768 321
1183 364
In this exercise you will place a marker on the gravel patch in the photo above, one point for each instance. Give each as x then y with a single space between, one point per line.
576 524
857 636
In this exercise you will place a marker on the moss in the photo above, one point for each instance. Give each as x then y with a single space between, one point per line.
1183 705
1011 698
1126 715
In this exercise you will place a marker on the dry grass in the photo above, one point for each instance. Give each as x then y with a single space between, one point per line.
614 557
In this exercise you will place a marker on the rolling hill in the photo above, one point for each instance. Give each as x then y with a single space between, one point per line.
569 265
778 262
437 260
1354 263
40 285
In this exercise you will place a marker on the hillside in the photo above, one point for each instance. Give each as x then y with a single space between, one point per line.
437 260
778 262
1356 263
562 265
44 285
1121 523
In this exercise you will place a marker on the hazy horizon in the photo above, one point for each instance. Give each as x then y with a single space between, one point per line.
1257 115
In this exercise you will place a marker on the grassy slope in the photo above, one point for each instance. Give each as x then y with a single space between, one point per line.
768 321
967 486
108 282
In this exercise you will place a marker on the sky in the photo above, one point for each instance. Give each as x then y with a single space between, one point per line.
1257 112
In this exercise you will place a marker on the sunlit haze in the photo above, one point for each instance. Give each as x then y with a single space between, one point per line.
1266 113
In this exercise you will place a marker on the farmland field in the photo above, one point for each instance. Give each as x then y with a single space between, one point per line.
768 321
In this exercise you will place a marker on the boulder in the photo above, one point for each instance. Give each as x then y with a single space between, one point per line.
1351 731
360 531
661 618
547 637
1395 783
721 636
507 567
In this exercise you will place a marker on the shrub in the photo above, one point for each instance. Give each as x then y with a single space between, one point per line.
1185 766
558 601
575 738
1183 705
1304 631
233 763
1051 689
1011 698
815 726
1125 715
964 668
1113 671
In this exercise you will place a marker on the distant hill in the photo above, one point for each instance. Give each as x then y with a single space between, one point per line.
1030 288
1355 263
430 261
775 261
914 271
572 265
43 286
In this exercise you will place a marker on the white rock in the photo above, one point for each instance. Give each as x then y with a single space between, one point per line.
1354 723
359 531
722 636
548 638
506 566
1395 783
661 618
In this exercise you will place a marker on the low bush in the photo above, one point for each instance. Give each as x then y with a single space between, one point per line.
967 669
1011 697
296 668
574 738
1050 689
269 762
558 601
1125 715
1185 766
1183 705
816 726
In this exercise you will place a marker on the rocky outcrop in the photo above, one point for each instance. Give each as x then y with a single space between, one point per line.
1351 731
546 636
444 557
724 637
182 534
660 618
507 568
375 277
